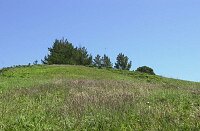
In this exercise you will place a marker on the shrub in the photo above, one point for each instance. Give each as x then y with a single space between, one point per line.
145 69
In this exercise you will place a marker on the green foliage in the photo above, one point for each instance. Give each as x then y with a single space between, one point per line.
65 97
102 61
106 62
62 97
4 70
97 61
63 52
82 57
122 62
35 62
146 69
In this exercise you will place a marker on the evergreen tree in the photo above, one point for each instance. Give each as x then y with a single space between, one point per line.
122 62
45 61
106 61
97 61
60 53
63 52
102 61
82 57
35 62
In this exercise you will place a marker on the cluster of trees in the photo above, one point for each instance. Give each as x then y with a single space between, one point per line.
63 52
102 61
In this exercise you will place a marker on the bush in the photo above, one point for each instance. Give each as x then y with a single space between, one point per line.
145 69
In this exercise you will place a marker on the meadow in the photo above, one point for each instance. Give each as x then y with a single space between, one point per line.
61 97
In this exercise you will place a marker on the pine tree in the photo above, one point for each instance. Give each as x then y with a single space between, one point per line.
63 52
122 62
60 53
97 61
106 61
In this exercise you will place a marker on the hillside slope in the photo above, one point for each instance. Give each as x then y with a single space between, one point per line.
78 98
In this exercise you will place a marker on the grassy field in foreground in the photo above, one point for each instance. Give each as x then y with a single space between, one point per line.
83 98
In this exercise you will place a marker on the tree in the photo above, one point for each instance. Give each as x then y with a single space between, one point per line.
122 62
97 61
35 62
82 57
102 61
45 61
146 69
60 53
106 61
63 52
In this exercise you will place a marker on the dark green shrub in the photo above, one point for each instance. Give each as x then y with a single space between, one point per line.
145 69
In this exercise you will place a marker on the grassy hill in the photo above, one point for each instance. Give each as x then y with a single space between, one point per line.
83 98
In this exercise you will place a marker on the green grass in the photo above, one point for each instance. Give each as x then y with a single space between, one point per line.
83 98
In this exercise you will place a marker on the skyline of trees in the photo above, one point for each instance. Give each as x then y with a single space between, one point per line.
64 52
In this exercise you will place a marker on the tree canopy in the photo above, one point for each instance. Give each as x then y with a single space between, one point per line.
63 52
102 61
146 69
122 62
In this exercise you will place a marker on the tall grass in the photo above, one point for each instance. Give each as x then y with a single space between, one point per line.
87 103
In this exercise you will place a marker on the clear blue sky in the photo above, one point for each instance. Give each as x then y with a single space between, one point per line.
162 34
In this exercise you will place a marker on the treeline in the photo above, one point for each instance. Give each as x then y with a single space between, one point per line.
64 52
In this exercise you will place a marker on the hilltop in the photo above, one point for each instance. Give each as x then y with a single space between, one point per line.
66 97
